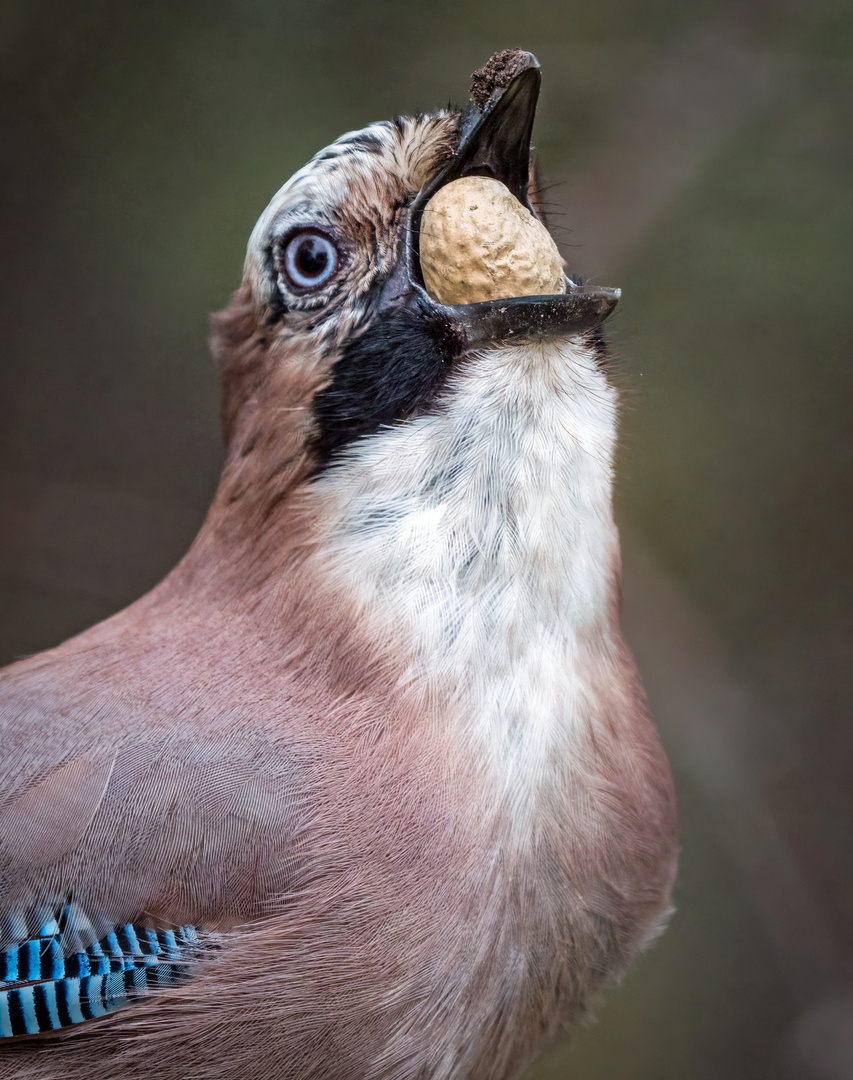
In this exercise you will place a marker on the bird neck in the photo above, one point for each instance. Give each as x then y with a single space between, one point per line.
253 529
480 540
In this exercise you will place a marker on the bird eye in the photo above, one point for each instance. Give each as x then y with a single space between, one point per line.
310 259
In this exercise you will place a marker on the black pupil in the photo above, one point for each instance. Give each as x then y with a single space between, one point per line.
312 256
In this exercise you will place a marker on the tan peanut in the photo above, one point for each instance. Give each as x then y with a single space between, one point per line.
478 242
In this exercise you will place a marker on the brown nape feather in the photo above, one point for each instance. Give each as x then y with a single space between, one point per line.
267 391
407 860
241 351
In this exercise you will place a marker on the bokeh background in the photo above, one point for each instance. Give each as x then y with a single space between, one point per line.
701 157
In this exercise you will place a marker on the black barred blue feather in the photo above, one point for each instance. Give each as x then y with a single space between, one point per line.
43 990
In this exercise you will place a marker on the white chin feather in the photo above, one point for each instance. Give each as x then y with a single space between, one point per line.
482 536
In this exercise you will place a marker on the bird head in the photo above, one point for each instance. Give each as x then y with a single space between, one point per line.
333 337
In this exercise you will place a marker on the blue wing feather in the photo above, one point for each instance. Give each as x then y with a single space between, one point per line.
43 990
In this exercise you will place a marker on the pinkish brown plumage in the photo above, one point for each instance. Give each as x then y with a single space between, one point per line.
377 738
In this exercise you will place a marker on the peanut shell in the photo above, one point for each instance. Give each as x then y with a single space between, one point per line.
477 242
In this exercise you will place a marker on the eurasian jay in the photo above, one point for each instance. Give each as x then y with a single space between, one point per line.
366 787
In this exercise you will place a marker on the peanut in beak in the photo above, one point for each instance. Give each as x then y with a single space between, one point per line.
478 242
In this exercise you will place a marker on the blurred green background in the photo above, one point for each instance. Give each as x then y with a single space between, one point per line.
701 157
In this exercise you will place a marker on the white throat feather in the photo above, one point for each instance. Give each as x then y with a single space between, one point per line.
482 538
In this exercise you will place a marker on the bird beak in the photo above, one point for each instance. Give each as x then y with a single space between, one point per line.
495 141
